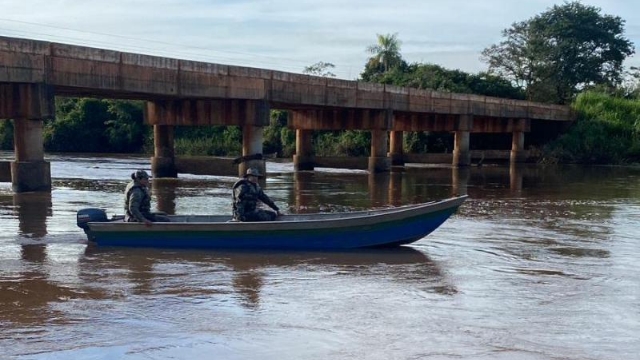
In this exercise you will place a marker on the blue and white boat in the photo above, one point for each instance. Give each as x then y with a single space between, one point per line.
327 231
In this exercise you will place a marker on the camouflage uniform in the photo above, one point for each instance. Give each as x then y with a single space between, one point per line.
137 203
245 199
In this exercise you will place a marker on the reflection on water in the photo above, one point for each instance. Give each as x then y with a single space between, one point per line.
32 210
164 191
144 269
535 262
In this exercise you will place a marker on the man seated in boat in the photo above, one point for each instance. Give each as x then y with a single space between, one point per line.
246 194
137 201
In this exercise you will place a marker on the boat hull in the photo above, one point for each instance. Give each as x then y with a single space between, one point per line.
378 229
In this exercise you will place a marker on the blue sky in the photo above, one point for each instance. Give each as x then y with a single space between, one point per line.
288 35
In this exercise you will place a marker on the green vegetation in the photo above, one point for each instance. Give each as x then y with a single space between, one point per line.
386 54
6 135
556 54
212 141
320 68
92 125
227 140
571 53
607 132
342 143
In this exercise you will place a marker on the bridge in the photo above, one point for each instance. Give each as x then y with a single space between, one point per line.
190 93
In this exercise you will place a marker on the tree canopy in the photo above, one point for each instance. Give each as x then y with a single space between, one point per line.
386 57
320 68
388 67
561 52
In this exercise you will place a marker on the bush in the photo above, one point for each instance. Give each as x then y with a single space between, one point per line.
6 135
211 141
607 131
92 125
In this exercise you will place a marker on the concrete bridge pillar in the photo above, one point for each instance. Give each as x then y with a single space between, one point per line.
254 115
163 115
303 158
378 161
395 144
461 153
252 140
28 105
163 162
29 172
517 143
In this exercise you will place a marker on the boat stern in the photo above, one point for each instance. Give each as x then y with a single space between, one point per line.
84 216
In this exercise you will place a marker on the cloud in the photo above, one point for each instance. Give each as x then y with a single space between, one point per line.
285 34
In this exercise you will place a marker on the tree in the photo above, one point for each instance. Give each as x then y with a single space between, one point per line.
125 130
561 51
386 56
93 125
320 69
6 135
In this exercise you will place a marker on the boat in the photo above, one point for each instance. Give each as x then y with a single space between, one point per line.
384 227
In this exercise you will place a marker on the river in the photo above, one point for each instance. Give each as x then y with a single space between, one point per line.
539 263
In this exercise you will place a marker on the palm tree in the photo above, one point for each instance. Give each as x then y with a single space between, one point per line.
386 51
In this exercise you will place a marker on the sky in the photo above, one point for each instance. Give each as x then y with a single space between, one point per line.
289 35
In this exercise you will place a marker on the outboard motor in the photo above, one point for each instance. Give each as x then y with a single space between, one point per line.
90 215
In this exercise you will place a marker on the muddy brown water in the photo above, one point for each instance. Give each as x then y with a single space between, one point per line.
539 263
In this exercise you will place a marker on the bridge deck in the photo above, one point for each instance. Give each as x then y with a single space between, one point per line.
83 71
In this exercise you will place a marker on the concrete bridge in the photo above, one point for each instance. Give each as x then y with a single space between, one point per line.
190 93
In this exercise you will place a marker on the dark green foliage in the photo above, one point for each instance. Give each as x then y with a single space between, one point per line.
227 140
288 140
92 125
320 68
79 126
6 135
342 143
422 142
435 77
415 142
562 51
125 130
274 141
213 141
424 76
607 132
386 56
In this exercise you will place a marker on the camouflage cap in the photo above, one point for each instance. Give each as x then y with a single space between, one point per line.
141 174
253 172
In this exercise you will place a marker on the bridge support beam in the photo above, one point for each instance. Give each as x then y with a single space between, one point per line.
461 153
250 115
303 158
517 142
378 121
395 145
28 105
378 161
163 162
254 116
29 172
252 140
